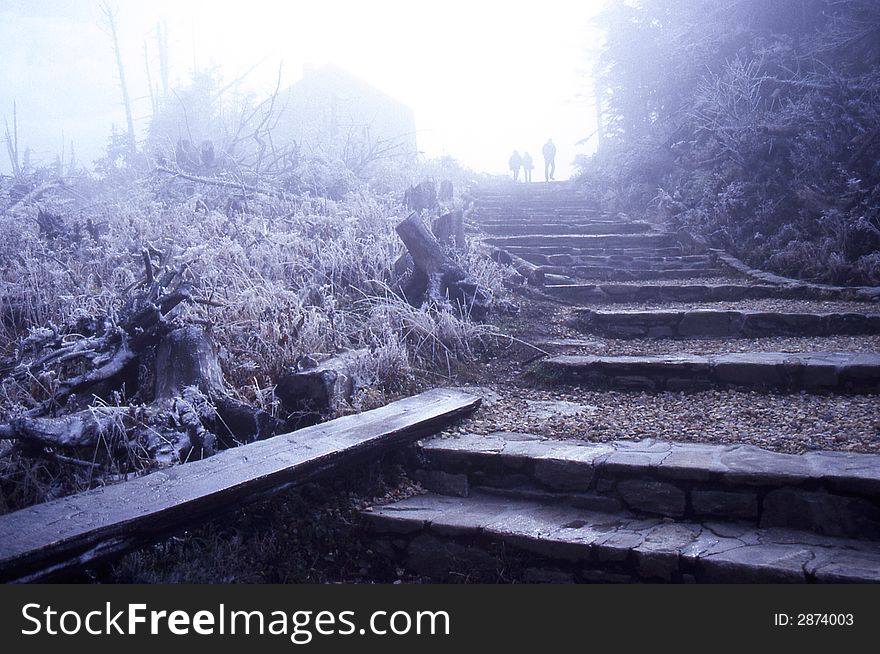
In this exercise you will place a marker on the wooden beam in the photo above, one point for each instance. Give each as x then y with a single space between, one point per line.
79 531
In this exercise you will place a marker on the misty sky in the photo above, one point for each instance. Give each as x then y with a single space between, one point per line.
483 78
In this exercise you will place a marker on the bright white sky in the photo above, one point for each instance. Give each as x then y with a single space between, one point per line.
484 78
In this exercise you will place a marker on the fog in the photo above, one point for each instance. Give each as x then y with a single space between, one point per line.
482 78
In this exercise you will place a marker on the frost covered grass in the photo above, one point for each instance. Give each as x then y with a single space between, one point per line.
274 281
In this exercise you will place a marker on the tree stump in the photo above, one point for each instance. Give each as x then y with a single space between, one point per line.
422 196
446 191
318 390
449 229
437 279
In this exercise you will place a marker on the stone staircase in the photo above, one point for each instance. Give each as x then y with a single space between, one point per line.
522 507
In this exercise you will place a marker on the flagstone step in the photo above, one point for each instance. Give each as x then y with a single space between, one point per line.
535 252
694 293
829 493
712 323
625 273
544 229
841 372
455 538
650 241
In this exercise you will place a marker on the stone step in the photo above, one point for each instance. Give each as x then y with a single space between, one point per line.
529 189
648 241
536 252
555 278
545 229
710 323
529 218
551 208
568 203
454 538
850 372
625 273
631 262
633 293
550 196
829 493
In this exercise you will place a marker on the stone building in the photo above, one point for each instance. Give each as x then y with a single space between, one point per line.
332 112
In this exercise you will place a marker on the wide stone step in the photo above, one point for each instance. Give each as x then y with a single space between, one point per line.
534 189
630 261
633 293
550 200
706 323
545 229
829 493
453 538
551 206
852 372
541 254
625 273
586 240
542 218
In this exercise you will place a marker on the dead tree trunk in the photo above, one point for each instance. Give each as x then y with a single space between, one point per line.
110 15
437 279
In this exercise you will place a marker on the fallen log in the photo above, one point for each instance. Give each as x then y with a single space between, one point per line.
437 279
526 269
75 532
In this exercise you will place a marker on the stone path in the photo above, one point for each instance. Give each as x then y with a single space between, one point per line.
572 511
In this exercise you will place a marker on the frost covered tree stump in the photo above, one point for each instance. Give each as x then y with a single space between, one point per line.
437 279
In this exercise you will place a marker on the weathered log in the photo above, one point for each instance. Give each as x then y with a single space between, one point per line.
71 533
526 269
447 283
35 194
168 433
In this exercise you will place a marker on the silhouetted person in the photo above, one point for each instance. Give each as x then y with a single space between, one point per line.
528 166
515 162
549 152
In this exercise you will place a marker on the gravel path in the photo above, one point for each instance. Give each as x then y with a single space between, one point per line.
792 423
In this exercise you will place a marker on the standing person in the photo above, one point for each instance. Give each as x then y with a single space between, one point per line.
515 163
549 151
527 167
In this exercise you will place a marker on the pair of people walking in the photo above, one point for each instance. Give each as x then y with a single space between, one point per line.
525 162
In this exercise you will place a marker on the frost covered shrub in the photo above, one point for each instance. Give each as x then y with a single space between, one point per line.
753 125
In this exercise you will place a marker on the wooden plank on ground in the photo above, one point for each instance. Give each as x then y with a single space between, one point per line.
77 531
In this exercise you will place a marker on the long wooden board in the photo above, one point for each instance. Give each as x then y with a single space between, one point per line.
59 536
